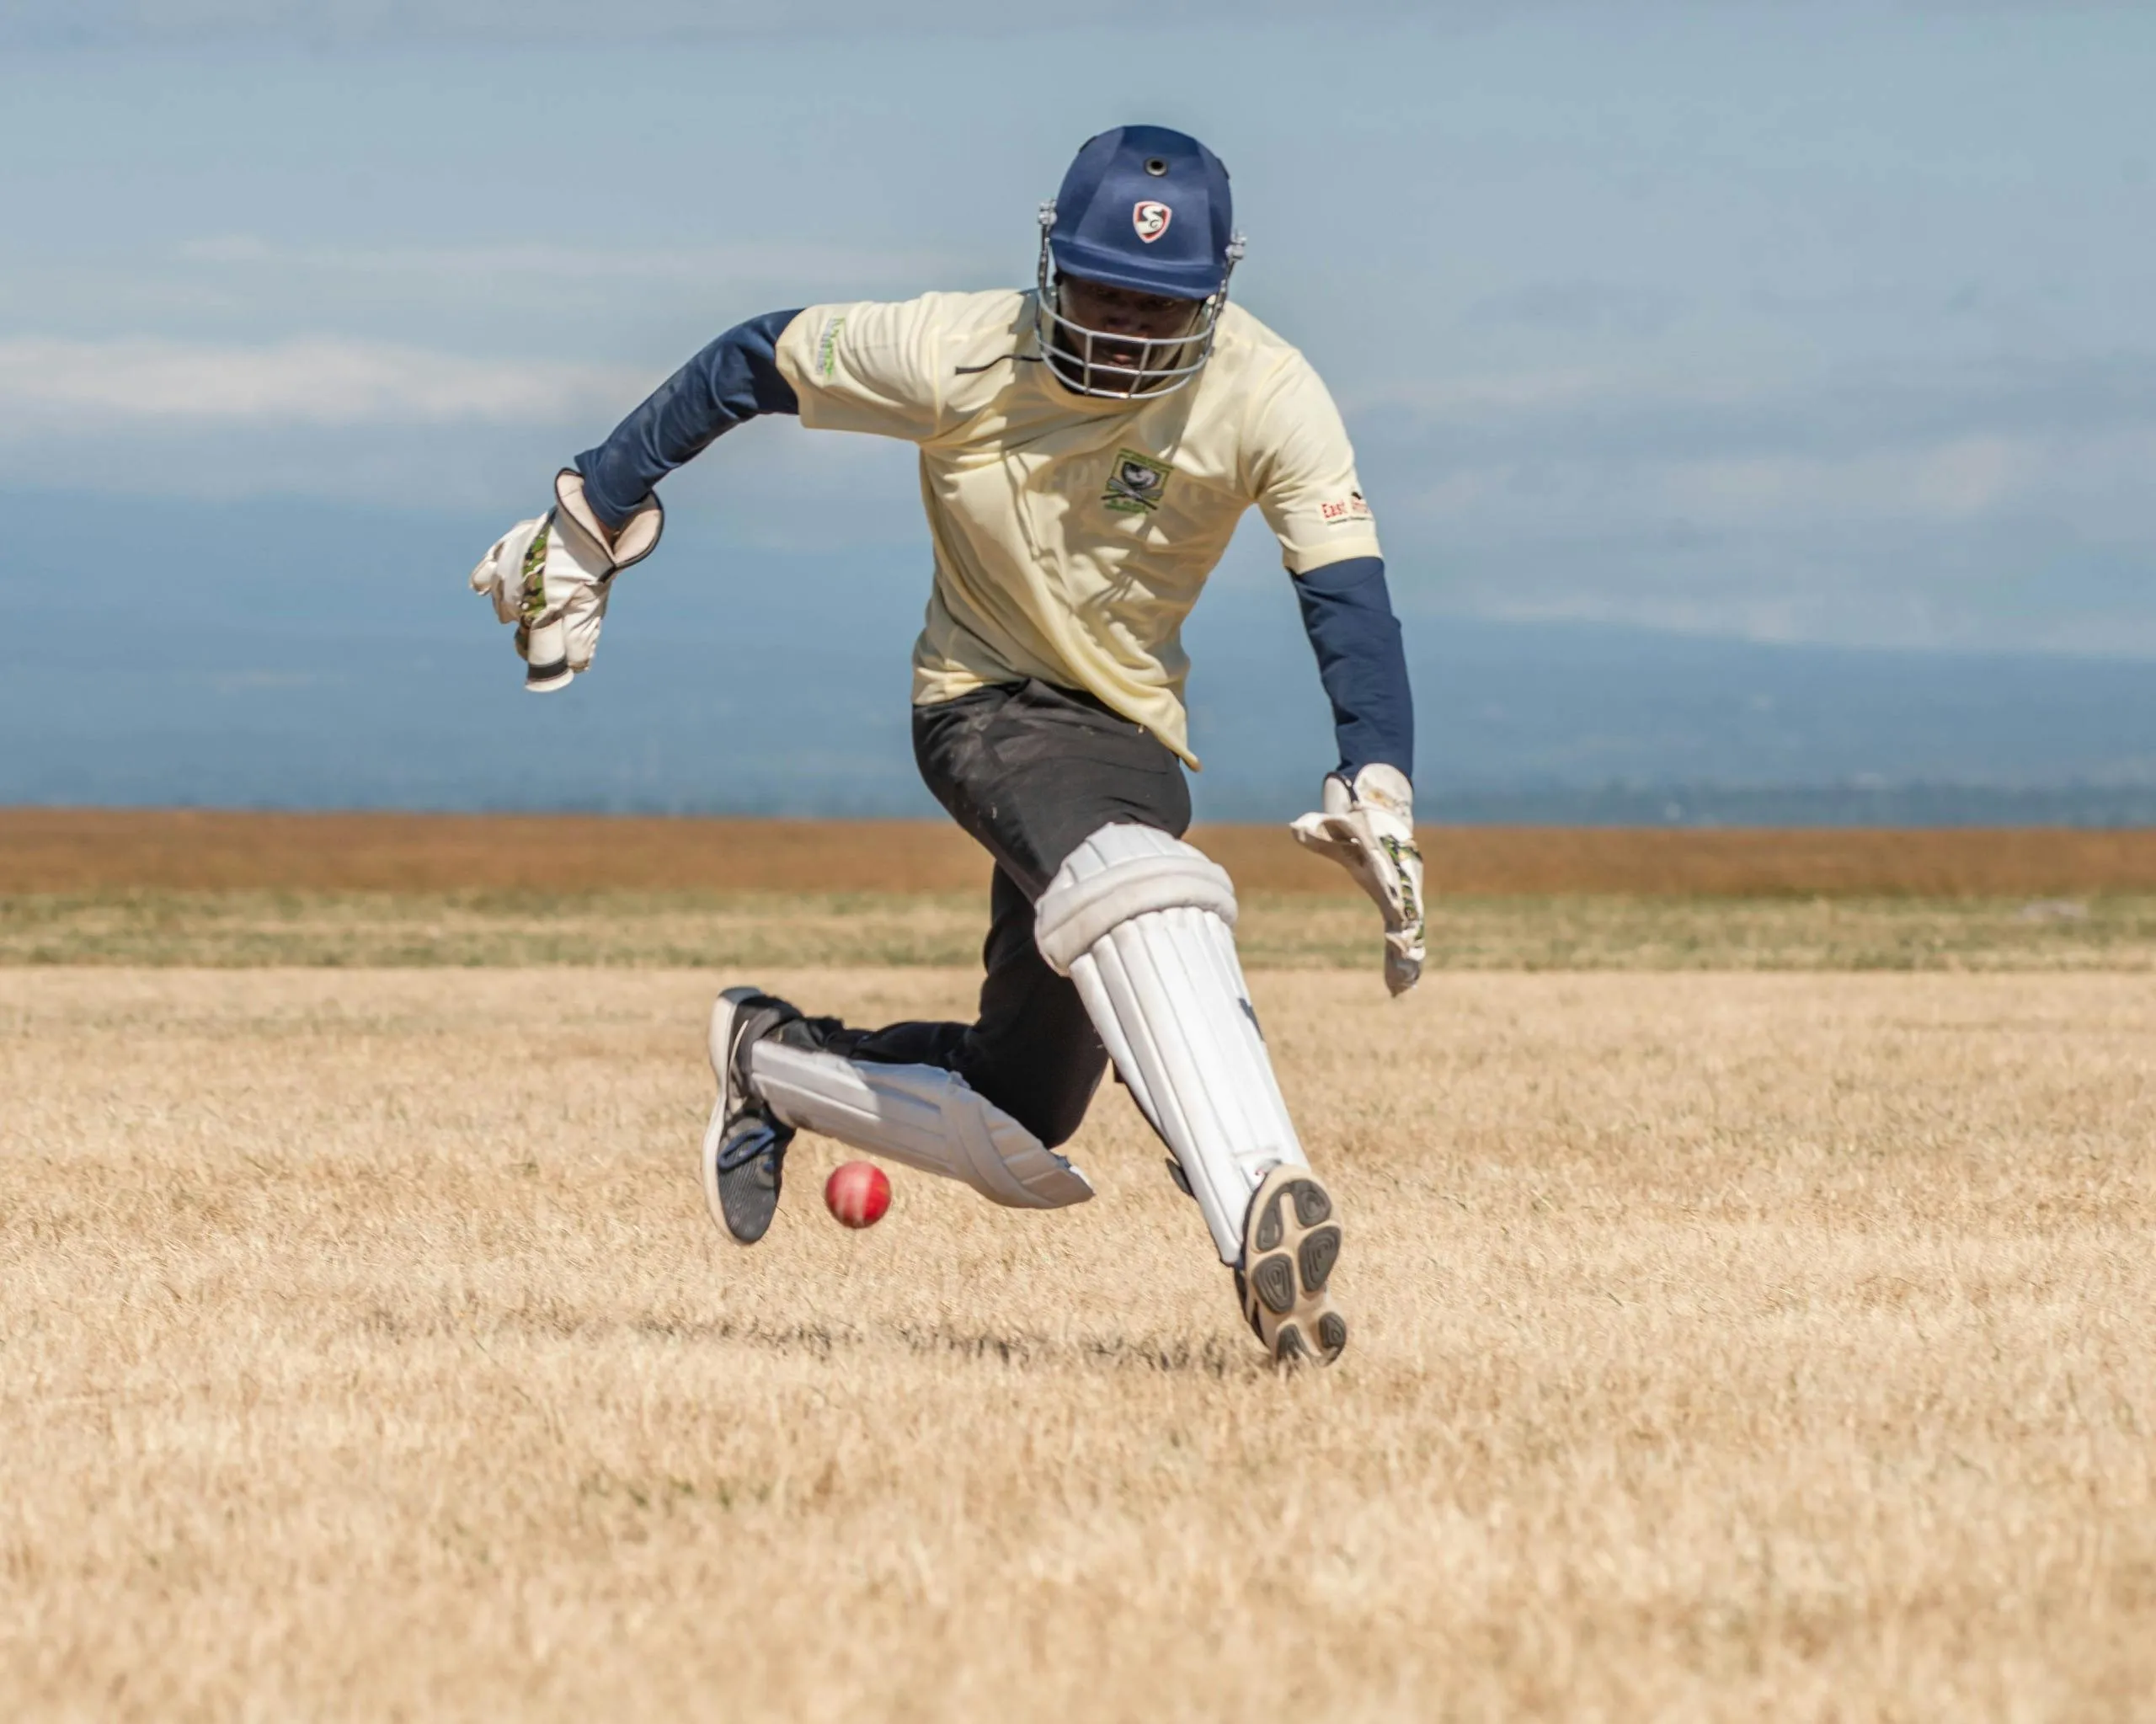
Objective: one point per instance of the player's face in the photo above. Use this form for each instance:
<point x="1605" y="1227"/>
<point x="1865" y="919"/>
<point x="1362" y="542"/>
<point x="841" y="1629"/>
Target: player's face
<point x="1121" y="310"/>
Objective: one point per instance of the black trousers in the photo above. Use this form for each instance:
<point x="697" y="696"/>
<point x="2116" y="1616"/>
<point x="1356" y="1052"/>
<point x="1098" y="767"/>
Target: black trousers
<point x="1031" y="771"/>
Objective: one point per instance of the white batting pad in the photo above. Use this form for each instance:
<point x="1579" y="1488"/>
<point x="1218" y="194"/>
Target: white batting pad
<point x="920" y="1115"/>
<point x="1144" y="924"/>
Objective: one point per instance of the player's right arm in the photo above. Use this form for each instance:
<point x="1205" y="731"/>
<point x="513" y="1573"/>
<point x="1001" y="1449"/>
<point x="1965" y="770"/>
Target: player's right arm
<point x="864" y="367"/>
<point x="735" y="379"/>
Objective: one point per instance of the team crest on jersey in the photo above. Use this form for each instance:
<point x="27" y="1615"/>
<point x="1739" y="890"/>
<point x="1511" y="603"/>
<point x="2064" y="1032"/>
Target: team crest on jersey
<point x="1151" y="219"/>
<point x="1136" y="484"/>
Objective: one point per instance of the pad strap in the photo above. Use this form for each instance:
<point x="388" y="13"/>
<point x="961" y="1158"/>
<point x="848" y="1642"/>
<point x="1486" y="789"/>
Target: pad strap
<point x="1081" y="910"/>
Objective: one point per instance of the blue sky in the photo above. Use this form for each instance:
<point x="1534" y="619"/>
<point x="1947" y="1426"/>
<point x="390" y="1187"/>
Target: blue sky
<point x="1820" y="323"/>
<point x="1805" y="321"/>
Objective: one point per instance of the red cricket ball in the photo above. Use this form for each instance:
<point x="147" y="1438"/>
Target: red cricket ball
<point x="858" y="1194"/>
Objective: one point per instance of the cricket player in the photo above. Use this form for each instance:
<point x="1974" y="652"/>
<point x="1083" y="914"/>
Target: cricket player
<point x="1086" y="450"/>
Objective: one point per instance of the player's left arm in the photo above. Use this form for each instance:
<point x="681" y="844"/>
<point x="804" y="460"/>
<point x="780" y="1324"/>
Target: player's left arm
<point x="1362" y="661"/>
<point x="1304" y="478"/>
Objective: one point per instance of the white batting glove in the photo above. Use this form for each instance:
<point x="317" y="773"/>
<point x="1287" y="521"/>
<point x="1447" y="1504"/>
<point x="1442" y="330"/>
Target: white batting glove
<point x="551" y="577"/>
<point x="1369" y="828"/>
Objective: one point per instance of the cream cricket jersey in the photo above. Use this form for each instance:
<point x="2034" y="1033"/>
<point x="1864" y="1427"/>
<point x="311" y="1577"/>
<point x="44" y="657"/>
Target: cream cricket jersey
<point x="1072" y="535"/>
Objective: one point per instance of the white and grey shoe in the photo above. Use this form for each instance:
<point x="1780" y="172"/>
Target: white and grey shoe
<point x="1291" y="1240"/>
<point x="744" y="1160"/>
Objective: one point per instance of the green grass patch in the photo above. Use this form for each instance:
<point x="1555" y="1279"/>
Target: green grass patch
<point x="752" y="930"/>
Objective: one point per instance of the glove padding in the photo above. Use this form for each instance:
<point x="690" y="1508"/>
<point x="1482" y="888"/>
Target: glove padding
<point x="1369" y="828"/>
<point x="552" y="576"/>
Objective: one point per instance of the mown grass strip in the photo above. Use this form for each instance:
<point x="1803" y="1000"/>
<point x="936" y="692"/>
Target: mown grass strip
<point x="248" y="929"/>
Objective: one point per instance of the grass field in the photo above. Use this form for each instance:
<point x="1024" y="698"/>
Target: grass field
<point x="1727" y="1343"/>
<point x="1727" y="1346"/>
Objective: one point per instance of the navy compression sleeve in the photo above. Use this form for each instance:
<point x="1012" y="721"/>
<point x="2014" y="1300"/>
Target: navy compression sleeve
<point x="735" y="378"/>
<point x="1347" y="613"/>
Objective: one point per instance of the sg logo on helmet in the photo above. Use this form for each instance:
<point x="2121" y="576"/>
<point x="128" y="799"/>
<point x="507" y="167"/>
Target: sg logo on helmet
<point x="1151" y="219"/>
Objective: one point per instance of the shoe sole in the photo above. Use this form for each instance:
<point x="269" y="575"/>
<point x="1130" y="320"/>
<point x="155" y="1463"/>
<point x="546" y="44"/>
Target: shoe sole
<point x="720" y="1047"/>
<point x="1291" y="1244"/>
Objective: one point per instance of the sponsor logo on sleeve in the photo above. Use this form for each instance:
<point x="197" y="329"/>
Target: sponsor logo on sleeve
<point x="827" y="346"/>
<point x="1136" y="484"/>
<point x="1151" y="219"/>
<point x="1350" y="510"/>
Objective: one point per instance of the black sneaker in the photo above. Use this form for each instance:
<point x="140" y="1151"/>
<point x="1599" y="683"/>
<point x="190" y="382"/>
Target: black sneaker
<point x="745" y="1146"/>
<point x="1290" y="1242"/>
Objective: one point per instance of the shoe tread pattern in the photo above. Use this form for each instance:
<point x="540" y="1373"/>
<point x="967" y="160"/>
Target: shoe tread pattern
<point x="1291" y="1245"/>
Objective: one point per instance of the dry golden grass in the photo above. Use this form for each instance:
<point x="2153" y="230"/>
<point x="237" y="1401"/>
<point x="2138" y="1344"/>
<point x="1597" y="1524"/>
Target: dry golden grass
<point x="95" y="849"/>
<point x="1726" y="1347"/>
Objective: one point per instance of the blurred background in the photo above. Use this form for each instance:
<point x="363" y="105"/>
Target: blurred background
<point x="1758" y="401"/>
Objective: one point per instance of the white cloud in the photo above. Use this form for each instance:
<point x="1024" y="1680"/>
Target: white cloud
<point x="1564" y="451"/>
<point x="401" y="23"/>
<point x="1956" y="479"/>
<point x="499" y="268"/>
<point x="320" y="383"/>
<point x="2090" y="479"/>
<point x="1989" y="502"/>
<point x="404" y="22"/>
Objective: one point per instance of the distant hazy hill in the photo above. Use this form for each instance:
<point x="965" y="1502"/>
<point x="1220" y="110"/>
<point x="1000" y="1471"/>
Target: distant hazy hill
<point x="301" y="655"/>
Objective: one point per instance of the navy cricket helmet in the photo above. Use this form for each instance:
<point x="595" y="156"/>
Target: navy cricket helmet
<point x="1148" y="210"/>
